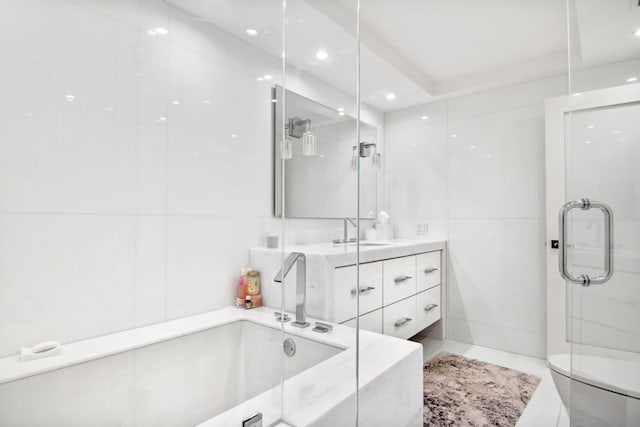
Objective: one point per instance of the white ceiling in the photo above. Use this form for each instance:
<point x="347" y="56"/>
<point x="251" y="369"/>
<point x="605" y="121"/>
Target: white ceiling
<point x="423" y="50"/>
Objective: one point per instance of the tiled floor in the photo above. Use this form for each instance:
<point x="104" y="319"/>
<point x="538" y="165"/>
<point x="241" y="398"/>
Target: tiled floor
<point x="544" y="409"/>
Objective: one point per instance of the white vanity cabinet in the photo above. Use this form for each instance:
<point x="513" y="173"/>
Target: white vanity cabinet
<point x="344" y="291"/>
<point x="410" y="298"/>
<point x="399" y="277"/>
<point x="400" y="284"/>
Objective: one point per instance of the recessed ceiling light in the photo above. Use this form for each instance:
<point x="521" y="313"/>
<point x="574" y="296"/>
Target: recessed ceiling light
<point x="162" y="119"/>
<point x="251" y="32"/>
<point x="473" y="147"/>
<point x="340" y="109"/>
<point x="267" y="77"/>
<point x="632" y="79"/>
<point x="322" y="55"/>
<point x="617" y="131"/>
<point x="591" y="126"/>
<point x="637" y="33"/>
<point x="70" y="98"/>
<point x="162" y="31"/>
<point x="577" y="94"/>
<point x="260" y="79"/>
<point x="206" y="101"/>
<point x="391" y="97"/>
<point x="587" y="142"/>
<point x="341" y="113"/>
<point x="424" y="117"/>
<point x="151" y="32"/>
<point x="175" y="102"/>
<point x="454" y="135"/>
<point x="488" y="156"/>
<point x="233" y="135"/>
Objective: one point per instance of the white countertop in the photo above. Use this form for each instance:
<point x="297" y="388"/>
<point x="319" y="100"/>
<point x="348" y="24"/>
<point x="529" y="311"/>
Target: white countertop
<point x="342" y="254"/>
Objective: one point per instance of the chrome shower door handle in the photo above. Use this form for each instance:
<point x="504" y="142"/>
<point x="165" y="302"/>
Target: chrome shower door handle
<point x="585" y="279"/>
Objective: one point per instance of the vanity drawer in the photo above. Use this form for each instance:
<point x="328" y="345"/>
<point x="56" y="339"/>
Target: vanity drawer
<point x="368" y="322"/>
<point x="428" y="308"/>
<point x="344" y="291"/>
<point x="399" y="279"/>
<point x="429" y="270"/>
<point x="399" y="319"/>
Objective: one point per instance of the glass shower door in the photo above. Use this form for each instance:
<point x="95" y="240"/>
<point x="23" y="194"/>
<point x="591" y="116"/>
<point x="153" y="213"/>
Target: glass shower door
<point x="601" y="218"/>
<point x="602" y="265"/>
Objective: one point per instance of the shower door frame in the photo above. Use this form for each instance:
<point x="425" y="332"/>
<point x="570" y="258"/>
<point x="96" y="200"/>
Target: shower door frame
<point x="555" y="142"/>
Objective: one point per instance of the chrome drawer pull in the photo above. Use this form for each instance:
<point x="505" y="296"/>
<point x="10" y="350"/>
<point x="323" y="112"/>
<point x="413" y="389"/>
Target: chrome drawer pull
<point x="363" y="290"/>
<point x="430" y="307"/>
<point x="401" y="279"/>
<point x="430" y="270"/>
<point x="403" y="321"/>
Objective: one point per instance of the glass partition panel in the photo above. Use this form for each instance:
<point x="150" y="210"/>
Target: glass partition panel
<point x="602" y="150"/>
<point x="316" y="188"/>
<point x="136" y="176"/>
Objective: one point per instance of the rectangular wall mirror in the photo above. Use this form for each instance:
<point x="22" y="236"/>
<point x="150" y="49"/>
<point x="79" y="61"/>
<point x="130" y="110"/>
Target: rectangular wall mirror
<point x="320" y="168"/>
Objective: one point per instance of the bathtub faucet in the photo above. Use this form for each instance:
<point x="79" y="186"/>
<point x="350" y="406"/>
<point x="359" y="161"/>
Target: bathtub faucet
<point x="300" y="260"/>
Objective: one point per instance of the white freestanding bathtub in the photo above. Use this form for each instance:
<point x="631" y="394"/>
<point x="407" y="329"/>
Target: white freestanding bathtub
<point x="605" y="391"/>
<point x="216" y="369"/>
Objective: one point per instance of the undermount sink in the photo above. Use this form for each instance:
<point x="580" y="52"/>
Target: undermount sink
<point x="368" y="243"/>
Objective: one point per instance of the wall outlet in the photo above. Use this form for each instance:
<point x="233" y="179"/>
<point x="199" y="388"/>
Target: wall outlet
<point x="422" y="229"/>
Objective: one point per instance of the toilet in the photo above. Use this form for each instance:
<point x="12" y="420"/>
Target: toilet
<point x="604" y="391"/>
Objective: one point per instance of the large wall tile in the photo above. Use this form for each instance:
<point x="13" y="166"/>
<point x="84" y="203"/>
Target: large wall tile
<point x="69" y="277"/>
<point x="503" y="338"/>
<point x="416" y="168"/>
<point x="497" y="165"/>
<point x="213" y="145"/>
<point x="74" y="146"/>
<point x="495" y="277"/>
<point x="204" y="258"/>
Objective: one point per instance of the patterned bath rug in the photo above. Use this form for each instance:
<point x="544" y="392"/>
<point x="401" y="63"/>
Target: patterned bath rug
<point x="466" y="392"/>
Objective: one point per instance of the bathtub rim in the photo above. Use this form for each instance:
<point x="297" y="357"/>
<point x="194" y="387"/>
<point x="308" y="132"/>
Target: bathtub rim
<point x="309" y="395"/>
<point x="78" y="352"/>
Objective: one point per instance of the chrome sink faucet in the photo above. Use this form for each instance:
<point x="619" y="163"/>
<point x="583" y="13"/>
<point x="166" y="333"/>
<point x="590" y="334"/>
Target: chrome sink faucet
<point x="300" y="260"/>
<point x="345" y="235"/>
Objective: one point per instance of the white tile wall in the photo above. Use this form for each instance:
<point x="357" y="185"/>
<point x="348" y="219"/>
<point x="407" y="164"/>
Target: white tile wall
<point x="496" y="165"/>
<point x="496" y="283"/>
<point x="415" y="165"/>
<point x="68" y="276"/>
<point x="474" y="172"/>
<point x="204" y="258"/>
<point x="119" y="207"/>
